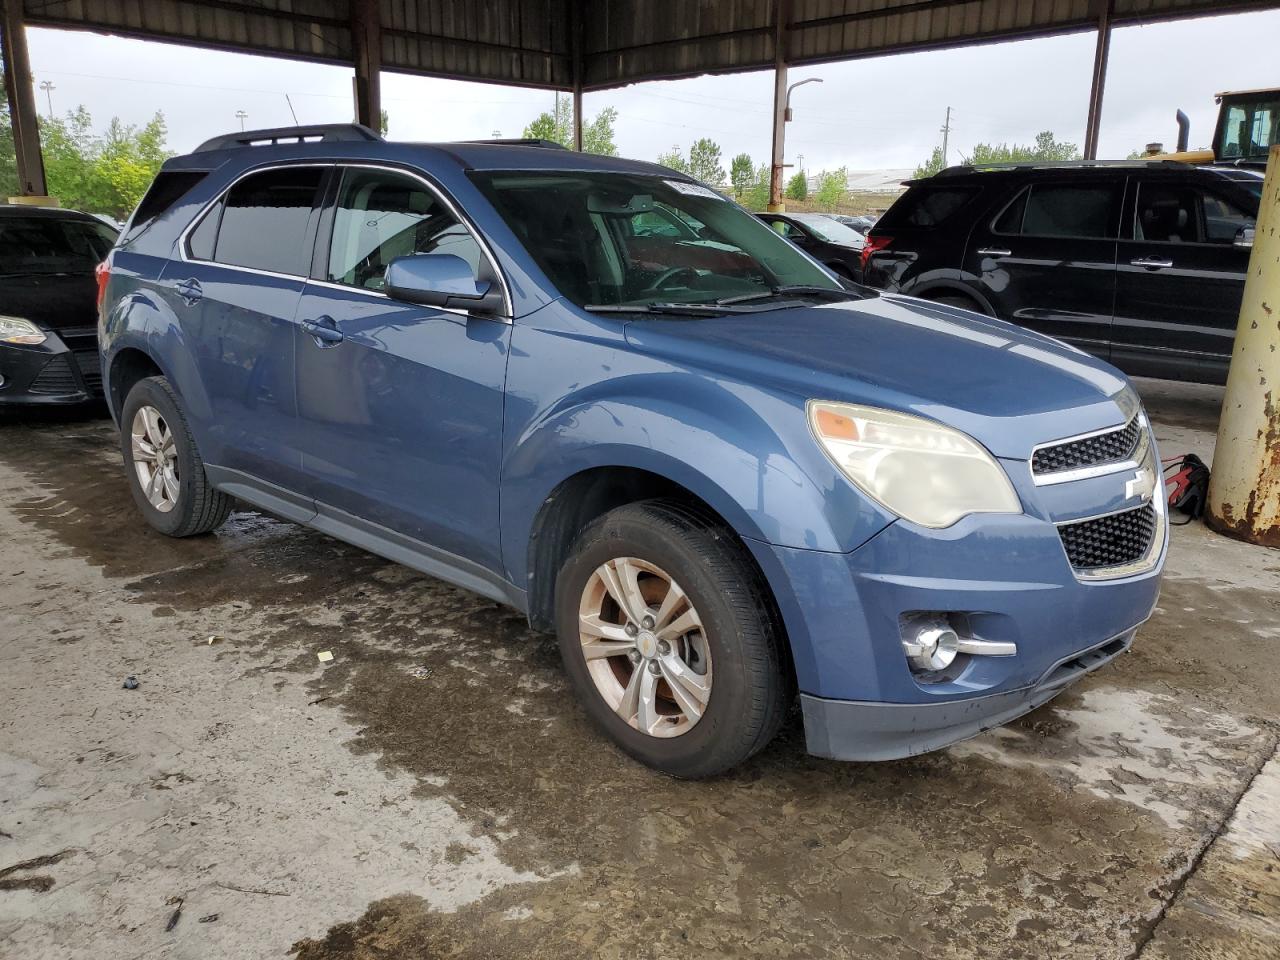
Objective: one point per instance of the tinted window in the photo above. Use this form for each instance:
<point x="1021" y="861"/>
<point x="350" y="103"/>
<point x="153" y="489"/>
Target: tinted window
<point x="1010" y="219"/>
<point x="166" y="189"/>
<point x="1070" y="210"/>
<point x="1182" y="213"/>
<point x="52" y="245"/>
<point x="264" y="221"/>
<point x="200" y="241"/>
<point x="381" y="216"/>
<point x="927" y="206"/>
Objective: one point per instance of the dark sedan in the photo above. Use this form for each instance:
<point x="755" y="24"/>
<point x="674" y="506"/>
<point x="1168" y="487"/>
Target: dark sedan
<point x="48" y="305"/>
<point x="829" y="242"/>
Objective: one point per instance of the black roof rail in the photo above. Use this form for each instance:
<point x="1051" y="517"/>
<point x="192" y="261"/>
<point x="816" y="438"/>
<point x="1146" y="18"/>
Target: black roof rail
<point x="523" y="142"/>
<point x="319" y="133"/>
<point x="963" y="168"/>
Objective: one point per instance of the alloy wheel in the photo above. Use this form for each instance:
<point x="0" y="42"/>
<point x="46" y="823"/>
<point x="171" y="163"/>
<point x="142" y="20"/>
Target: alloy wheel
<point x="645" y="647"/>
<point x="155" y="458"/>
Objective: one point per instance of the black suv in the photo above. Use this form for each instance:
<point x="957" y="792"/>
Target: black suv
<point x="1142" y="263"/>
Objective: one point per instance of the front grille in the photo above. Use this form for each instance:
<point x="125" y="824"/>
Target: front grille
<point x="56" y="378"/>
<point x="90" y="370"/>
<point x="1110" y="541"/>
<point x="1111" y="447"/>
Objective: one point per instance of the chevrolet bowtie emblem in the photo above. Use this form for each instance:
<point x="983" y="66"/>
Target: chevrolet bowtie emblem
<point x="1142" y="485"/>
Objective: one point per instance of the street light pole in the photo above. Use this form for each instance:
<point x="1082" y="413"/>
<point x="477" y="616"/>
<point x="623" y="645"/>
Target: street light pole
<point x="241" y="116"/>
<point x="48" y="88"/>
<point x="782" y="113"/>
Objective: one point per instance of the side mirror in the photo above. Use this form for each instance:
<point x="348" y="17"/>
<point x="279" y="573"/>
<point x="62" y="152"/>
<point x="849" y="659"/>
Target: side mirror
<point x="1244" y="238"/>
<point x="441" y="280"/>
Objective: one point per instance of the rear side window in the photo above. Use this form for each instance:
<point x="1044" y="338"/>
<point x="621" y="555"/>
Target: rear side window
<point x="923" y="206"/>
<point x="264" y="221"/>
<point x="166" y="189"/>
<point x="1082" y="210"/>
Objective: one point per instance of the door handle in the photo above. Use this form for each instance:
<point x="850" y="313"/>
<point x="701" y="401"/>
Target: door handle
<point x="190" y="291"/>
<point x="1151" y="263"/>
<point x="324" y="331"/>
<point x="995" y="252"/>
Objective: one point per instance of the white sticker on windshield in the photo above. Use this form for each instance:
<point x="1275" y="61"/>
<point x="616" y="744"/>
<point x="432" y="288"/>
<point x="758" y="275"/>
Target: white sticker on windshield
<point x="692" y="189"/>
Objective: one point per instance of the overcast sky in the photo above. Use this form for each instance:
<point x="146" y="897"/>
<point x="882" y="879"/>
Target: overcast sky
<point x="866" y="114"/>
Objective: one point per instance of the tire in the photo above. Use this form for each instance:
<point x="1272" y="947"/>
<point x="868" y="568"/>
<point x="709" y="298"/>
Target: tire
<point x="737" y="641"/>
<point x="189" y="504"/>
<point x="961" y="301"/>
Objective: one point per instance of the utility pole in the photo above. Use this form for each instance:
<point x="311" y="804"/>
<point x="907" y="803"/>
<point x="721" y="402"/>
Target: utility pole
<point x="800" y="161"/>
<point x="946" y="135"/>
<point x="242" y="117"/>
<point x="48" y="88"/>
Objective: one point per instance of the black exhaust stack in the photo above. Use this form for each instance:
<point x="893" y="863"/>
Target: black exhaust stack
<point x="1184" y="131"/>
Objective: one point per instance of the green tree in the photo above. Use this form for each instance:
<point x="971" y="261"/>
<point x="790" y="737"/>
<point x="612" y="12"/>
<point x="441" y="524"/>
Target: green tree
<point x="384" y="121"/>
<point x="757" y="195"/>
<point x="930" y="166"/>
<point x="1045" y="148"/>
<point x="797" y="187"/>
<point x="833" y="187"/>
<point x="674" y="158"/>
<point x="597" y="133"/>
<point x="704" y="162"/>
<point x="741" y="172"/>
<point x="101" y="173"/>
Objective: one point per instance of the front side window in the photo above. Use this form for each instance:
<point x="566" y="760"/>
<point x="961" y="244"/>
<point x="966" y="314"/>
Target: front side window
<point x="1181" y="213"/>
<point x="1084" y="211"/>
<point x="264" y="221"/>
<point x="52" y="245"/>
<point x="580" y="229"/>
<point x="382" y="215"/>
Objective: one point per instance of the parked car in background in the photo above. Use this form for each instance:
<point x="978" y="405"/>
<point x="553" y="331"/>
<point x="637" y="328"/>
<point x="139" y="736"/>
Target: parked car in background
<point x="716" y="483"/>
<point x="1142" y="263"/>
<point x="48" y="318"/>
<point x="827" y="241"/>
<point x="861" y="224"/>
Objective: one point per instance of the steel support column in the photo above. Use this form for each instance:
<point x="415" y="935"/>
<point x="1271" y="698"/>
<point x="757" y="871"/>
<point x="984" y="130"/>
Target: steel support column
<point x="22" y="101"/>
<point x="1100" y="56"/>
<point x="1244" y="488"/>
<point x="366" y="47"/>
<point x="575" y="47"/>
<point x="781" y="9"/>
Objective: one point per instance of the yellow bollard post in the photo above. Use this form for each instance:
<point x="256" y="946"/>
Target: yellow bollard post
<point x="1244" y="489"/>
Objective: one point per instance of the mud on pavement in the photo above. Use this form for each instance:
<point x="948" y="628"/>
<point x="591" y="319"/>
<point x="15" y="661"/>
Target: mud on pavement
<point x="434" y="791"/>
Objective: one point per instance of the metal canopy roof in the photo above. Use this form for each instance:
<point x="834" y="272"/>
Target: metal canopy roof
<point x="536" y="42"/>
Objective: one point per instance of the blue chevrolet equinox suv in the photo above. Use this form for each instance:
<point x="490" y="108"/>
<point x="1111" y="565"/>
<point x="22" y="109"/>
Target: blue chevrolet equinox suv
<point x="719" y="473"/>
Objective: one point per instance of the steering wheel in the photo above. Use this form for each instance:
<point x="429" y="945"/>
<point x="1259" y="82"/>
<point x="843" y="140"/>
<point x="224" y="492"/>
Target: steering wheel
<point x="670" y="274"/>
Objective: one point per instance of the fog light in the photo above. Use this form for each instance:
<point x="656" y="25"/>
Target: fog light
<point x="931" y="646"/>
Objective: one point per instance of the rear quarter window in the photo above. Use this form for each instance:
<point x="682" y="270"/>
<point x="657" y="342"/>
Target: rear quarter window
<point x="166" y="189"/>
<point x="928" y="206"/>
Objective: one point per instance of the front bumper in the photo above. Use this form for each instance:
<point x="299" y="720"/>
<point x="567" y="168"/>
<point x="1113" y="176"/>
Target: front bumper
<point x="854" y="730"/>
<point x="65" y="369"/>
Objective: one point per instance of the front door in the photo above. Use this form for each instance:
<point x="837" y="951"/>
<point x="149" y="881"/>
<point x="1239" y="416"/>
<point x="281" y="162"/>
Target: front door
<point x="234" y="290"/>
<point x="400" y="405"/>
<point x="1047" y="260"/>
<point x="1181" y="280"/>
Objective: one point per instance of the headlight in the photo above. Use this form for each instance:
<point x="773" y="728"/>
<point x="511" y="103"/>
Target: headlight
<point x="17" y="330"/>
<point x="919" y="469"/>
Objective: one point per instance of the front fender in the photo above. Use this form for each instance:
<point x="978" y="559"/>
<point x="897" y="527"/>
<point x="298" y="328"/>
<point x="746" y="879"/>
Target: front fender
<point x="744" y="450"/>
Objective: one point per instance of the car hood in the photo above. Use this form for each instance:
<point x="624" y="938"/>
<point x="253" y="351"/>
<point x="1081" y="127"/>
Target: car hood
<point x="1006" y="387"/>
<point x="56" y="301"/>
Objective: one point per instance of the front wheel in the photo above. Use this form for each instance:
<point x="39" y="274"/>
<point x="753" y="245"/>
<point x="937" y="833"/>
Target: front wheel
<point x="166" y="474"/>
<point x="668" y="637"/>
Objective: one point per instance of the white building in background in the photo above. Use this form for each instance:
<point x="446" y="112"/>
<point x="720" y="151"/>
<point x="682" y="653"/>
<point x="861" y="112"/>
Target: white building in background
<point x="869" y="181"/>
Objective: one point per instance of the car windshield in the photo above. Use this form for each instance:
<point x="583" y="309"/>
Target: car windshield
<point x="634" y="240"/>
<point x="52" y="245"/>
<point x="832" y="231"/>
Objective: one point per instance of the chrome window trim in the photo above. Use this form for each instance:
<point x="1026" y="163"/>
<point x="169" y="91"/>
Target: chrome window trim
<point x="485" y="249"/>
<point x="1148" y="561"/>
<point x="1132" y="462"/>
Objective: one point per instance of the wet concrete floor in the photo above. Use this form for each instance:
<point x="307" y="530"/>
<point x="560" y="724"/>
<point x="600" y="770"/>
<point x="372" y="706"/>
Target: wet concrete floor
<point x="434" y="791"/>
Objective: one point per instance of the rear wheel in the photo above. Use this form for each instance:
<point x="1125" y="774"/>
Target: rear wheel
<point x="667" y="637"/>
<point x="166" y="474"/>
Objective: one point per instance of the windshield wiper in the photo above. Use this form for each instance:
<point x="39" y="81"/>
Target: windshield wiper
<point x="716" y="309"/>
<point x="793" y="289"/>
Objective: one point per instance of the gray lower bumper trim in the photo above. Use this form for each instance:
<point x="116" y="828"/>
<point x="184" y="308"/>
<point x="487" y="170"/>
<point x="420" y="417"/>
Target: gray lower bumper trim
<point x="862" y="730"/>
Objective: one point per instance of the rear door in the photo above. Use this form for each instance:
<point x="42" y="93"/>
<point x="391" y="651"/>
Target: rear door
<point x="1181" y="278"/>
<point x="400" y="405"/>
<point x="234" y="288"/>
<point x="1047" y="259"/>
